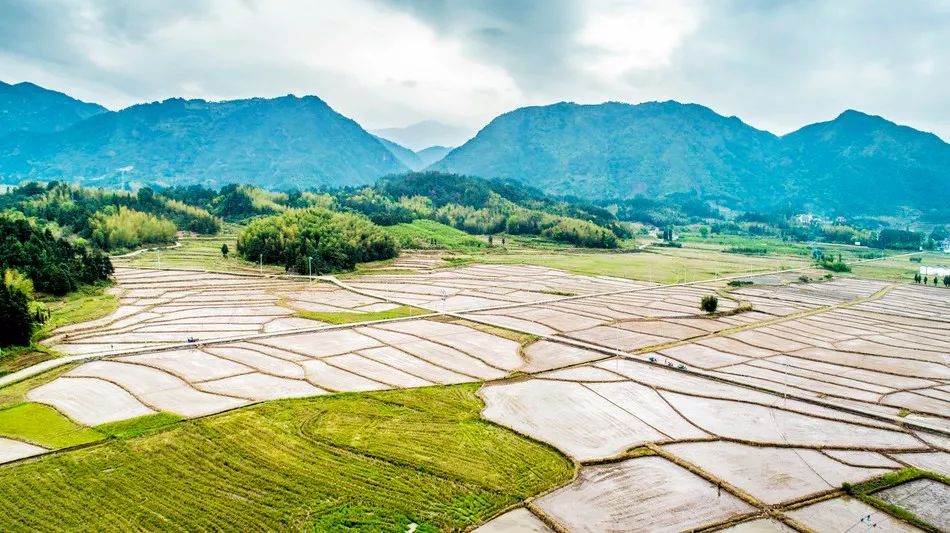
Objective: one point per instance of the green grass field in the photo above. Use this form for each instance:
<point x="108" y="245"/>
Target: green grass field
<point x="88" y="303"/>
<point x="429" y="234"/>
<point x="43" y="425"/>
<point x="37" y="423"/>
<point x="347" y="462"/>
<point x="344" y="317"/>
<point x="899" y="268"/>
<point x="661" y="265"/>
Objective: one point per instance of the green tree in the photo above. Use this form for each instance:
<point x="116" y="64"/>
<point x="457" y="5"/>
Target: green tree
<point x="709" y="303"/>
<point x="224" y="250"/>
<point x="15" y="317"/>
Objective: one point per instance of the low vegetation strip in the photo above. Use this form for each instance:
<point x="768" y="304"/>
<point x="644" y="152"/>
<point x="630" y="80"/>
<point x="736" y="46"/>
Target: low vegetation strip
<point x="348" y="462"/>
<point x="43" y="425"/>
<point x="346" y="317"/>
<point x="868" y="490"/>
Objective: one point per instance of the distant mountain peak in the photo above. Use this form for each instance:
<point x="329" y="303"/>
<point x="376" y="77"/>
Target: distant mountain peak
<point x="275" y="143"/>
<point x="27" y="107"/>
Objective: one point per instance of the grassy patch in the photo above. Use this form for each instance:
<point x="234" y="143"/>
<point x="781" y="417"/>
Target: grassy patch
<point x="865" y="492"/>
<point x="135" y="427"/>
<point x="345" y="317"/>
<point x="88" y="303"/>
<point x="332" y="463"/>
<point x="16" y="393"/>
<point x="669" y="265"/>
<point x="41" y="424"/>
<point x="505" y="333"/>
<point x="429" y="234"/>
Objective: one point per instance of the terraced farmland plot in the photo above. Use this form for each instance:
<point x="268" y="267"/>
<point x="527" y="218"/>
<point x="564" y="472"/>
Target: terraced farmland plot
<point x="321" y="464"/>
<point x="209" y="379"/>
<point x="165" y="308"/>
<point x="480" y="286"/>
<point x="774" y="407"/>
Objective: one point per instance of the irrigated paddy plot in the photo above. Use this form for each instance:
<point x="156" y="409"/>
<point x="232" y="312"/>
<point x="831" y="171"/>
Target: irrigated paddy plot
<point x="748" y="419"/>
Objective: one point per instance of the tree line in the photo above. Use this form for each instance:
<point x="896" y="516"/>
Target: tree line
<point x="31" y="257"/>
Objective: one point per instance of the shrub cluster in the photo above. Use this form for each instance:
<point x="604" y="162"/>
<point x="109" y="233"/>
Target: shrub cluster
<point x="335" y="241"/>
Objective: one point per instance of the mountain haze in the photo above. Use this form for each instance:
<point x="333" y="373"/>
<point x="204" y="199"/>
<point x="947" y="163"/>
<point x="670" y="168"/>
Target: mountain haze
<point x="28" y="107"/>
<point x="279" y="143"/>
<point x="425" y="134"/>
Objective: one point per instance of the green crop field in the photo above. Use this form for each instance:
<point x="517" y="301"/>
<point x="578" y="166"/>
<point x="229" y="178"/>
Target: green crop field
<point x="345" y="317"/>
<point x="661" y="265"/>
<point x="348" y="462"/>
<point x="43" y="425"/>
<point x="432" y="234"/>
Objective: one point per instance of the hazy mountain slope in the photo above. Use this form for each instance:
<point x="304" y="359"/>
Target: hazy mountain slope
<point x="859" y="162"/>
<point x="279" y="143"/>
<point x="432" y="154"/>
<point x="854" y="164"/>
<point x="28" y="107"/>
<point x="620" y="150"/>
<point x="405" y="156"/>
<point x="424" y="134"/>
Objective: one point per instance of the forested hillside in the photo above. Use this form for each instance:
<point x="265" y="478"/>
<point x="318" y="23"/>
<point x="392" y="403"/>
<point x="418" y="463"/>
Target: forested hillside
<point x="28" y="107"/>
<point x="474" y="205"/>
<point x="854" y="164"/>
<point x="277" y="143"/>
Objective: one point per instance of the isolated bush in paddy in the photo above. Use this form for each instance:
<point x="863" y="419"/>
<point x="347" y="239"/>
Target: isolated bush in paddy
<point x="335" y="241"/>
<point x="224" y="250"/>
<point x="946" y="281"/>
<point x="709" y="303"/>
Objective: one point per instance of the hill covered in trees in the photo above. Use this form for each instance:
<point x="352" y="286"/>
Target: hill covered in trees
<point x="854" y="164"/>
<point x="315" y="240"/>
<point x="277" y="143"/>
<point x="25" y="107"/>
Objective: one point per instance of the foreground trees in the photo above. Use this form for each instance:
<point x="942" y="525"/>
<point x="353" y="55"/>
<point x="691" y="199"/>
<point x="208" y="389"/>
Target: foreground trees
<point x="334" y="241"/>
<point x="54" y="265"/>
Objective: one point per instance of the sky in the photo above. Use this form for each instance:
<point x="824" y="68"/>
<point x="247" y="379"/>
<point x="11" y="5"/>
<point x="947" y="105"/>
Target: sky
<point x="778" y="64"/>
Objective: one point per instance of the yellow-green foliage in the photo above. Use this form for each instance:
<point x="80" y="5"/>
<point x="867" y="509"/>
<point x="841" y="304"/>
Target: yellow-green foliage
<point x="88" y="303"/>
<point x="335" y="463"/>
<point x="264" y="201"/>
<point x="43" y="425"/>
<point x="343" y="317"/>
<point x="135" y="427"/>
<point x="126" y="228"/>
<point x="424" y="233"/>
<point x="15" y="280"/>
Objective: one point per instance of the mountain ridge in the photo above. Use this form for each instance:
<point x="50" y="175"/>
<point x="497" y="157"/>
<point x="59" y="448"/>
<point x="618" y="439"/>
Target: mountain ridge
<point x="292" y="141"/>
<point x="853" y="163"/>
<point x="26" y="106"/>
<point x="655" y="149"/>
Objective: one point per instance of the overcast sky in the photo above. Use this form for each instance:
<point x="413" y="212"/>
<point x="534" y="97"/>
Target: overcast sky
<point x="776" y="64"/>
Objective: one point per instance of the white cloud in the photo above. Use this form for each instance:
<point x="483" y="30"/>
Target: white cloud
<point x="777" y="65"/>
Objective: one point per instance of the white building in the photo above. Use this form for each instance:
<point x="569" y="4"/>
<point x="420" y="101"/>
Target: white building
<point x="939" y="271"/>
